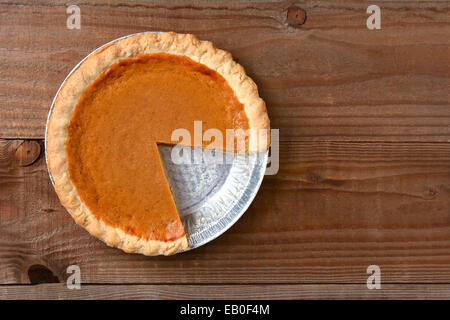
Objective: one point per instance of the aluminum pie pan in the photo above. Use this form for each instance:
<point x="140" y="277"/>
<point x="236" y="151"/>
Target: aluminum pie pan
<point x="210" y="195"/>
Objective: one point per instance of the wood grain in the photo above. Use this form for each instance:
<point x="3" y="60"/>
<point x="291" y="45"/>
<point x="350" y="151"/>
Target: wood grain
<point x="227" y="292"/>
<point x="329" y="79"/>
<point x="332" y="210"/>
<point x="364" y="178"/>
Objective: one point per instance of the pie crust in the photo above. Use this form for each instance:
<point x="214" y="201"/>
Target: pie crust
<point x="188" y="45"/>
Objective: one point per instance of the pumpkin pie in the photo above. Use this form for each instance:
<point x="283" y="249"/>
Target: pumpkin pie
<point x="117" y="106"/>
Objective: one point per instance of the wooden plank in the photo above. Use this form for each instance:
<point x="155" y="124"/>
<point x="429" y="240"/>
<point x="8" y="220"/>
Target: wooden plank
<point x="330" y="79"/>
<point x="333" y="209"/>
<point x="227" y="292"/>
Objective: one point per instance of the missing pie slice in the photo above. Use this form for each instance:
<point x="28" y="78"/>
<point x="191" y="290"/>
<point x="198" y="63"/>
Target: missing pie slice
<point x="115" y="108"/>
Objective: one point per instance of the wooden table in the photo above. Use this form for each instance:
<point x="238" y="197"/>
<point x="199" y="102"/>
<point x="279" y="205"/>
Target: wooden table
<point x="364" y="177"/>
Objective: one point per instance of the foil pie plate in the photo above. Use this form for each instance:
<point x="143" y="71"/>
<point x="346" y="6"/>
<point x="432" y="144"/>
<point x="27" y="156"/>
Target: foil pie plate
<point x="210" y="194"/>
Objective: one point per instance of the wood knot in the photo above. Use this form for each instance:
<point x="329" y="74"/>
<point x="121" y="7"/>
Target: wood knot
<point x="27" y="153"/>
<point x="296" y="16"/>
<point x="40" y="274"/>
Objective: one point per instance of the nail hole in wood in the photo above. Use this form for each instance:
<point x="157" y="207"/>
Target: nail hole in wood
<point x="40" y="274"/>
<point x="296" y="16"/>
<point x="430" y="193"/>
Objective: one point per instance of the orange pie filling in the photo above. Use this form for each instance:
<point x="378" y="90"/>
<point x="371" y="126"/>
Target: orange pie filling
<point x="111" y="147"/>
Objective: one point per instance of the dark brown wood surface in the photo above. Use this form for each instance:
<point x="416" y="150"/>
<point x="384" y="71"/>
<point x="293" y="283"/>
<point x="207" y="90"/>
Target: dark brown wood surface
<point x="364" y="177"/>
<point x="241" y="292"/>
